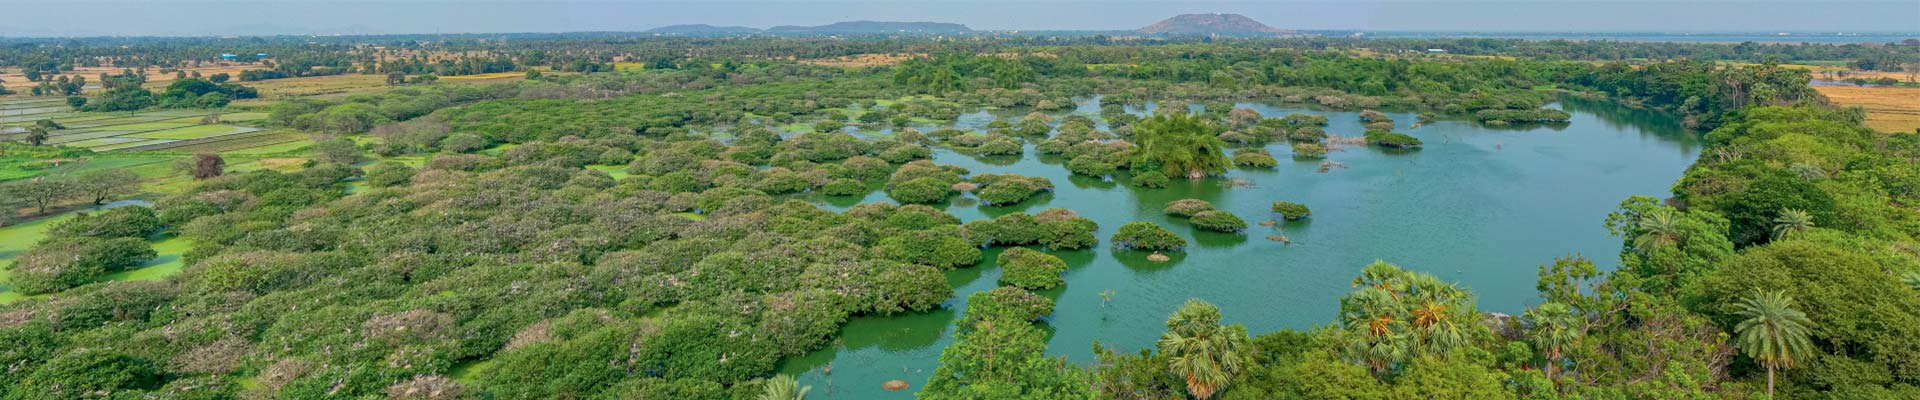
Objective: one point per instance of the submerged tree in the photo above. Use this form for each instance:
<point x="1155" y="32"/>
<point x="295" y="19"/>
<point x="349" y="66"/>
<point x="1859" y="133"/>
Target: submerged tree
<point x="1180" y="143"/>
<point x="1772" y="332"/>
<point x="1201" y="351"/>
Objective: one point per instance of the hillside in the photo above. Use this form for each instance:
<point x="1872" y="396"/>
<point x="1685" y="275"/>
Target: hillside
<point x="699" y="29"/>
<point x="875" y="27"/>
<point x="1211" y="23"/>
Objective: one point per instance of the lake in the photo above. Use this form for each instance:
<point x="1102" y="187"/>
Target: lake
<point x="1479" y="205"/>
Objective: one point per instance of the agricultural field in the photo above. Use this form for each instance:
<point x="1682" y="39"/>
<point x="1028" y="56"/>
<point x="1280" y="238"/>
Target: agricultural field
<point x="173" y="131"/>
<point x="1889" y="109"/>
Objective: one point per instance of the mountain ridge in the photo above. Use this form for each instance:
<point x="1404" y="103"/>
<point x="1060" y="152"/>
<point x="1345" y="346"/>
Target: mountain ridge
<point x="1210" y="24"/>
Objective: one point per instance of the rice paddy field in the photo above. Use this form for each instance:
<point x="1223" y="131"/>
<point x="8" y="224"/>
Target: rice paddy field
<point x="140" y="131"/>
<point x="1889" y="109"/>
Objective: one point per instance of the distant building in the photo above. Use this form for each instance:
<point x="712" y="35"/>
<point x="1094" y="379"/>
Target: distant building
<point x="1436" y="51"/>
<point x="229" y="56"/>
<point x="259" y="55"/>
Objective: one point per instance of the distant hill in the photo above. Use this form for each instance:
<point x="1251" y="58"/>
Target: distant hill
<point x="875" y="27"/>
<point x="698" y="29"/>
<point x="1211" y="23"/>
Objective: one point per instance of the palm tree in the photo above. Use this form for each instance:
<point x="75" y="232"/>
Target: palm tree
<point x="1658" y="228"/>
<point x="1912" y="279"/>
<point x="1773" y="332"/>
<point x="1791" y="221"/>
<point x="1206" y="354"/>
<point x="1555" y="327"/>
<point x="1376" y="329"/>
<point x="784" y="387"/>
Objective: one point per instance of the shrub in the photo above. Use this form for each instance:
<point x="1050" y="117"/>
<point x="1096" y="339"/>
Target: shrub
<point x="1392" y="139"/>
<point x="1307" y="134"/>
<point x="388" y="173"/>
<point x="1142" y="235"/>
<point x="117" y="222"/>
<point x="845" y="187"/>
<point x="1007" y="302"/>
<point x="1070" y="234"/>
<point x="1013" y="229"/>
<point x="921" y="190"/>
<point x="1091" y="166"/>
<point x="1219" y="221"/>
<point x="1151" y="180"/>
<point x="1001" y="146"/>
<point x="937" y="249"/>
<point x="1255" y="158"/>
<point x="1187" y="207"/>
<point x="1031" y="269"/>
<point x="1004" y="189"/>
<point x="1292" y="210"/>
<point x="1309" y="150"/>
<point x="62" y="264"/>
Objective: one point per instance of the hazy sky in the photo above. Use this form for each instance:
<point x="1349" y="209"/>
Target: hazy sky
<point x="225" y="17"/>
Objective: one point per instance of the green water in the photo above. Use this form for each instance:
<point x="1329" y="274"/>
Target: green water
<point x="1478" y="205"/>
<point x="18" y="238"/>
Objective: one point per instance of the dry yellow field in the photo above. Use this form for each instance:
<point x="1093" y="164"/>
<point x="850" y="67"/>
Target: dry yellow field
<point x="17" y="80"/>
<point x="1889" y="109"/>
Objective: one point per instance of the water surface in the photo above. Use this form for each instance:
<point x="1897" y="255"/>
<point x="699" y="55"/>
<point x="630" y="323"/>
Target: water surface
<point x="1478" y="205"/>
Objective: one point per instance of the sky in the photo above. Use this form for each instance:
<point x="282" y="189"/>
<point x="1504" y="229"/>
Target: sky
<point x="268" y="17"/>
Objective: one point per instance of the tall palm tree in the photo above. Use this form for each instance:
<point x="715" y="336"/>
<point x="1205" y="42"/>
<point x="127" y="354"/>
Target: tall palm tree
<point x="1791" y="221"/>
<point x="1658" y="228"/>
<point x="1377" y="332"/>
<point x="1555" y="327"/>
<point x="1773" y="332"/>
<point x="1206" y="354"/>
<point x="784" y="387"/>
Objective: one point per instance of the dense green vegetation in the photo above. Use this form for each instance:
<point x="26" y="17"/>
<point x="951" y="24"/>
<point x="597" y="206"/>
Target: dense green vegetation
<point x="493" y="254"/>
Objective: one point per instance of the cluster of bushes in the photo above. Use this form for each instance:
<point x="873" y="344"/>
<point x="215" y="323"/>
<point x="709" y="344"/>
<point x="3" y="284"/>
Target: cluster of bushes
<point x="1030" y="269"/>
<point x="85" y="248"/>
<point x="1392" y="139"/>
<point x="1008" y="189"/>
<point x="1291" y="210"/>
<point x="1204" y="216"/>
<point x="1055" y="228"/>
<point x="1511" y="116"/>
<point x="1142" y="235"/>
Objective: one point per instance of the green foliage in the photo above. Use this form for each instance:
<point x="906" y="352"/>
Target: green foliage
<point x="1291" y="210"/>
<point x="1187" y="207"/>
<point x="1254" y="158"/>
<point x="845" y="187"/>
<point x="1150" y="179"/>
<point x="117" y="222"/>
<point x="1392" y="139"/>
<point x="1000" y="358"/>
<point x="389" y="173"/>
<point x="1142" y="235"/>
<point x="1219" y="221"/>
<point x="1397" y="315"/>
<point x="929" y="248"/>
<point x="1009" y="189"/>
<point x="1007" y="303"/>
<point x="88" y="373"/>
<point x="922" y="191"/>
<point x="68" y="262"/>
<point x="1202" y="352"/>
<point x="1031" y="270"/>
<point x="1180" y="144"/>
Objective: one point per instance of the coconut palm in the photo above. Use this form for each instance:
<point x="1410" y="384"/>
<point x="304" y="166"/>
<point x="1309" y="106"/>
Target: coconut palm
<point x="784" y="387"/>
<point x="1772" y="332"/>
<point x="1791" y="221"/>
<point x="1658" y="228"/>
<point x="1555" y="327"/>
<point x="1201" y="351"/>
